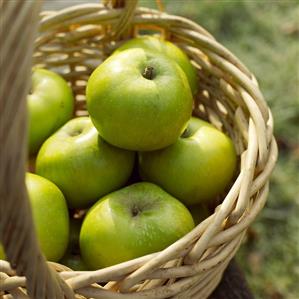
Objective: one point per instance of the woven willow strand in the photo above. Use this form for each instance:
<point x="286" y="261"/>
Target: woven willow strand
<point x="18" y="24"/>
<point x="73" y="42"/>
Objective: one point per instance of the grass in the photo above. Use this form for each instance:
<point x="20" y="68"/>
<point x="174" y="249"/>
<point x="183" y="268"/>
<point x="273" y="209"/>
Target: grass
<point x="264" y="35"/>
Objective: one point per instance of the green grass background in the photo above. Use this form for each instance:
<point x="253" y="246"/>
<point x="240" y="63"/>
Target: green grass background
<point x="265" y="36"/>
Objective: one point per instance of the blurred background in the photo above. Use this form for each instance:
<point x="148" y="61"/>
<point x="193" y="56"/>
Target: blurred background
<point x="265" y="36"/>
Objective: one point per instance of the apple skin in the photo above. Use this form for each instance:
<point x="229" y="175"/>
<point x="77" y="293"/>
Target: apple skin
<point x="82" y="164"/>
<point x="195" y="169"/>
<point x="73" y="248"/>
<point x="50" y="105"/>
<point x="72" y="258"/>
<point x="199" y="212"/>
<point x="154" y="43"/>
<point x="75" y="227"/>
<point x="2" y="254"/>
<point x="74" y="262"/>
<point x="50" y="216"/>
<point x="136" y="113"/>
<point x="134" y="221"/>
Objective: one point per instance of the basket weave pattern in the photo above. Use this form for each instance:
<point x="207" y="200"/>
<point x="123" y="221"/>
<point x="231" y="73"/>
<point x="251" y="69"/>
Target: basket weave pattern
<point x="73" y="42"/>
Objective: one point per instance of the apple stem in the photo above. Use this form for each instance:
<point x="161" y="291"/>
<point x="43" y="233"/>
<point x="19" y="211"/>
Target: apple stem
<point x="148" y="73"/>
<point x="186" y="133"/>
<point x="135" y="211"/>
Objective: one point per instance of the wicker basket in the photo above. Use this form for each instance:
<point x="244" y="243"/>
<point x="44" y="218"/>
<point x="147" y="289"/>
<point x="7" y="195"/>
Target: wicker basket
<point x="73" y="42"/>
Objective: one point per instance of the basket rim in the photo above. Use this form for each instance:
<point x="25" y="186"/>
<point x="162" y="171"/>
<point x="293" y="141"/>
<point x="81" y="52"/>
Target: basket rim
<point x="250" y="188"/>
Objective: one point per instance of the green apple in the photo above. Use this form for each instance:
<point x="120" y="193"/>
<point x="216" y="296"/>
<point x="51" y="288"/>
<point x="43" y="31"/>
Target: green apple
<point x="199" y="212"/>
<point x="74" y="262"/>
<point x="50" y="216"/>
<point x="82" y="164"/>
<point x="153" y="43"/>
<point x="73" y="242"/>
<point x="75" y="227"/>
<point x="50" y="105"/>
<point x="2" y="254"/>
<point x="139" y="100"/>
<point x="197" y="168"/>
<point x="132" y="222"/>
<point x="72" y="258"/>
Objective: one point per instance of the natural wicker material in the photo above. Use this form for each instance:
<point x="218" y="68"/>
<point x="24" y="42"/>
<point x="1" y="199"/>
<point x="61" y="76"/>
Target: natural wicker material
<point x="73" y="42"/>
<point x="17" y="30"/>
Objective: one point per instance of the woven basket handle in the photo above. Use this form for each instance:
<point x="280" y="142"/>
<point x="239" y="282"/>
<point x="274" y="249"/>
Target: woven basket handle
<point x="124" y="21"/>
<point x="128" y="10"/>
<point x="19" y="21"/>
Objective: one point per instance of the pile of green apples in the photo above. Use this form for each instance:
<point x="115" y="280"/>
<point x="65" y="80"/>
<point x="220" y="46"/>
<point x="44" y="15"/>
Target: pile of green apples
<point x="134" y="176"/>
